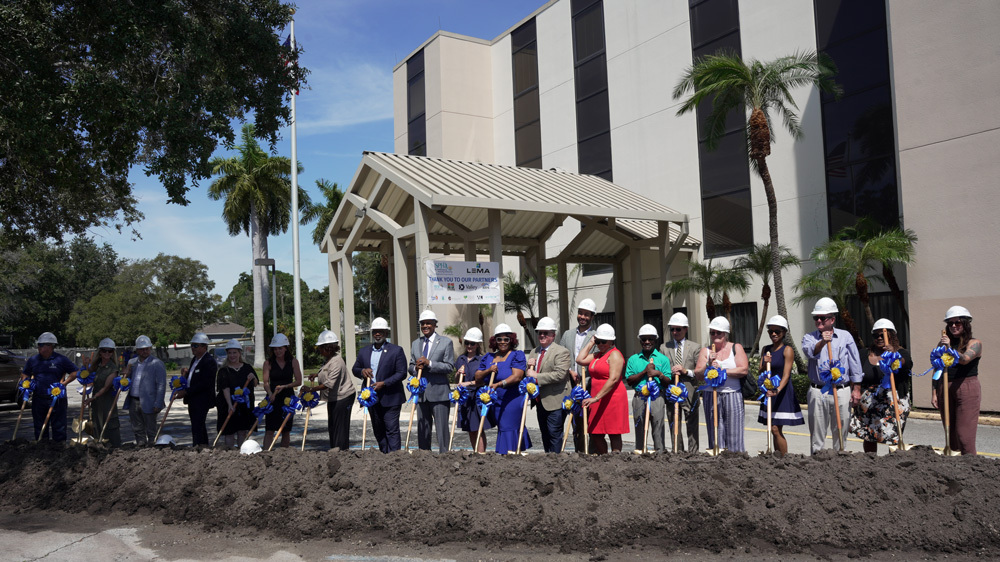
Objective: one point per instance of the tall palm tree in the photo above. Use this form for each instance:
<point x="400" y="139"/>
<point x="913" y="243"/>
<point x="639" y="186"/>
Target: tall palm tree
<point x="257" y="192"/>
<point x="834" y="283"/>
<point x="519" y="297"/>
<point x="756" y="88"/>
<point x="895" y="245"/>
<point x="759" y="262"/>
<point x="712" y="281"/>
<point x="323" y="212"/>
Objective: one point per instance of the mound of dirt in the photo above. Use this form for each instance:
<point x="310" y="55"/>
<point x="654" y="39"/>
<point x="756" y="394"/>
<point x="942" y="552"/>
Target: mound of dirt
<point x="846" y="503"/>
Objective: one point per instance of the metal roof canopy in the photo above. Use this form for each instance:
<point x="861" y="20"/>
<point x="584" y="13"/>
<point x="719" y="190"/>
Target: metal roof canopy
<point x="408" y="207"/>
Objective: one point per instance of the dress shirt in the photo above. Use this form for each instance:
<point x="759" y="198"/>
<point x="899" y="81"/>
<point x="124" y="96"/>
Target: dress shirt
<point x="844" y="350"/>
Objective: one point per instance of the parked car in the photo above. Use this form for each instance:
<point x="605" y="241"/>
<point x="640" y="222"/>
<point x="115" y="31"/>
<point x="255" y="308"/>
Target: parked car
<point x="220" y="355"/>
<point x="10" y="372"/>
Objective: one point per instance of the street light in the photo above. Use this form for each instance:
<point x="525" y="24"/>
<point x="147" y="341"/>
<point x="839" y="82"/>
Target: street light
<point x="268" y="262"/>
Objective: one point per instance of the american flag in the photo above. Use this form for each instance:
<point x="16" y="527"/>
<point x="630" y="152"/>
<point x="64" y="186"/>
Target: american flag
<point x="288" y="64"/>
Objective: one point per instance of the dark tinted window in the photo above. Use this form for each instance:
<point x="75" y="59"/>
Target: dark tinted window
<point x="595" y="156"/>
<point x="862" y="63"/>
<point x="591" y="77"/>
<point x="744" y="324"/>
<point x="588" y="32"/>
<point x="728" y="225"/>
<point x="593" y="117"/>
<point x="522" y="36"/>
<point x="528" y="144"/>
<point x="417" y="135"/>
<point x="416" y="105"/>
<point x="837" y="20"/>
<point x="527" y="127"/>
<point x="526" y="108"/>
<point x="525" y="69"/>
<point x="724" y="169"/>
<point x="712" y="19"/>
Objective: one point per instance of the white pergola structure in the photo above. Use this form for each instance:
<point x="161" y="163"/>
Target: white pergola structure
<point x="410" y="207"/>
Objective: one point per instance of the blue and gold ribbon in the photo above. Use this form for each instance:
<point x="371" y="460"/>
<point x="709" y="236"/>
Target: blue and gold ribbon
<point x="486" y="398"/>
<point x="25" y="388"/>
<point x="459" y="394"/>
<point x="677" y="393"/>
<point x="89" y="378"/>
<point x="529" y="386"/>
<point x="240" y="396"/>
<point x="292" y="405"/>
<point x="309" y="400"/>
<point x="263" y="408"/>
<point x="648" y="390"/>
<point x="714" y="378"/>
<point x="367" y="397"/>
<point x="889" y="364"/>
<point x="942" y="357"/>
<point x="122" y="383"/>
<point x="177" y="384"/>
<point x="832" y="376"/>
<point x="568" y="403"/>
<point x="767" y="382"/>
<point x="57" y="390"/>
<point x="578" y="395"/>
<point x="416" y="386"/>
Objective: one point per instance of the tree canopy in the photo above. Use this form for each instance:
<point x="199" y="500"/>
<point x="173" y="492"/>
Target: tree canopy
<point x="94" y="89"/>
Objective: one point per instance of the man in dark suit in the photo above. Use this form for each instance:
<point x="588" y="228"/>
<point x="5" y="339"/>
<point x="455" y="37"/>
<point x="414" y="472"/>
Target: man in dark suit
<point x="550" y="364"/>
<point x="434" y="355"/>
<point x="683" y="354"/>
<point x="385" y="364"/>
<point x="200" y="393"/>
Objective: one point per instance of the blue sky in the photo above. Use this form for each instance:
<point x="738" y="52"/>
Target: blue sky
<point x="350" y="47"/>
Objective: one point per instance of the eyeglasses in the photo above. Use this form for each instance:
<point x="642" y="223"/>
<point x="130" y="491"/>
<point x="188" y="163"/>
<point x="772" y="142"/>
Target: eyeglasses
<point x="774" y="332"/>
<point x="107" y="351"/>
<point x="676" y="329"/>
<point x="427" y="323"/>
<point x="822" y="318"/>
<point x="715" y="333"/>
<point x="953" y="322"/>
<point x="600" y="342"/>
<point x="502" y="339"/>
<point x="547" y="333"/>
<point x="647" y="338"/>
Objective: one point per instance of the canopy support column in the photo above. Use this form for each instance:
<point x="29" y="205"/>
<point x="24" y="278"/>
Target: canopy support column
<point x="496" y="255"/>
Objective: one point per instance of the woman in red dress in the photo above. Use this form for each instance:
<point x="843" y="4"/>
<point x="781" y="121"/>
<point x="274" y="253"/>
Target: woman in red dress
<point x="607" y="408"/>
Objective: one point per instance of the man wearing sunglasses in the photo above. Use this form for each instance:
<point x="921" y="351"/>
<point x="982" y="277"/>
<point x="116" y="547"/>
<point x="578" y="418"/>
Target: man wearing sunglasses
<point x="200" y="393"/>
<point x="550" y="364"/>
<point x="817" y="347"/>
<point x="683" y="354"/>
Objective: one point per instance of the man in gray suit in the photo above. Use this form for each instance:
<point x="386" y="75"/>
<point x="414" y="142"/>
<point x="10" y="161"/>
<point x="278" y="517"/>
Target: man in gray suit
<point x="550" y="364"/>
<point x="145" y="395"/>
<point x="683" y="354"/>
<point x="574" y="340"/>
<point x="434" y="355"/>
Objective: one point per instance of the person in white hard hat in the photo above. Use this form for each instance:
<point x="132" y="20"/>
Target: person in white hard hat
<point x="466" y="366"/>
<point x="506" y="364"/>
<point x="146" y="392"/>
<point x="607" y="407"/>
<point x="434" y="355"/>
<point x="336" y="386"/>
<point x="816" y="346"/>
<point x="574" y="339"/>
<point x="874" y="420"/>
<point x="103" y="406"/>
<point x="964" y="390"/>
<point x="383" y="364"/>
<point x="785" y="408"/>
<point x="731" y="357"/>
<point x="200" y="393"/>
<point x="549" y="363"/>
<point x="683" y="354"/>
<point x="234" y="374"/>
<point x="47" y="368"/>
<point x="282" y="375"/>
<point x="643" y="366"/>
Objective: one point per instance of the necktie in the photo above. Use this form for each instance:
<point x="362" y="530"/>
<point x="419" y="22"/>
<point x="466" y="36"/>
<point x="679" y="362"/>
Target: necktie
<point x="427" y="344"/>
<point x="538" y="365"/>
<point x="678" y="355"/>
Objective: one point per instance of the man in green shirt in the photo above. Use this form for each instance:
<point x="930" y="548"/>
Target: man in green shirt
<point x="648" y="364"/>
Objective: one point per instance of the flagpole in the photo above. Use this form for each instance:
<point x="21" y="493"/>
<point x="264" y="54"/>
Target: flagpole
<point x="295" y="220"/>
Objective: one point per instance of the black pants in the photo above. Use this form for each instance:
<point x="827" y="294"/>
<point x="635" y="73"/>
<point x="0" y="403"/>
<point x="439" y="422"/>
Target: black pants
<point x="385" y="426"/>
<point x="198" y="412"/>
<point x="551" y="424"/>
<point x="339" y="422"/>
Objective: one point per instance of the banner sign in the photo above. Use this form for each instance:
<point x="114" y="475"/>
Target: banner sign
<point x="463" y="282"/>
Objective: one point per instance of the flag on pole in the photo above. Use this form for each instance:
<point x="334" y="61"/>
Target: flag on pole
<point x="290" y="68"/>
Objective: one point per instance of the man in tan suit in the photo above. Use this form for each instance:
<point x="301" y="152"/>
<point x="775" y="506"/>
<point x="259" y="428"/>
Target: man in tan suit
<point x="683" y="354"/>
<point x="550" y="364"/>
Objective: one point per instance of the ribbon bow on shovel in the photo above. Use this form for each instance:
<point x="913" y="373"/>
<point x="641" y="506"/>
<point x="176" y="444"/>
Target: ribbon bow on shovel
<point x="529" y="388"/>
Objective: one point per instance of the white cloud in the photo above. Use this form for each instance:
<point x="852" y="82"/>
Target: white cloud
<point x="343" y="94"/>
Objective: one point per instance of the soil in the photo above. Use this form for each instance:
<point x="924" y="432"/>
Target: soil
<point x="830" y="504"/>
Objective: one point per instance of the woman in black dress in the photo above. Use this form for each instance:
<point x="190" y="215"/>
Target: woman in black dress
<point x="785" y="408"/>
<point x="874" y="420"/>
<point x="233" y="375"/>
<point x="282" y="375"/>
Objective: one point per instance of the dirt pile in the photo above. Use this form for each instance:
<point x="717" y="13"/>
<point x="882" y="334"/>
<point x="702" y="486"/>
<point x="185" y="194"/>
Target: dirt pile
<point x="848" y="503"/>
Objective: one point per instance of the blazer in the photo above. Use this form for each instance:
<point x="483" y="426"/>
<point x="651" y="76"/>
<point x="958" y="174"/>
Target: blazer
<point x="391" y="371"/>
<point x="442" y="357"/>
<point x="568" y="340"/>
<point x="690" y="355"/>
<point x="154" y="384"/>
<point x="201" y="381"/>
<point x="553" y="375"/>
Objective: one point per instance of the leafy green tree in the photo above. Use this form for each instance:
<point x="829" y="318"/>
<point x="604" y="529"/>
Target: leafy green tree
<point x="758" y="262"/>
<point x="714" y="282"/>
<point x="323" y="213"/>
<point x="371" y="285"/>
<point x="757" y="88"/>
<point x="92" y="90"/>
<point x="835" y="283"/>
<point x="257" y="191"/>
<point x="889" y="246"/>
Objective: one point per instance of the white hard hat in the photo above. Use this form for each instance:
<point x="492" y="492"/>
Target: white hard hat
<point x="825" y="305"/>
<point x="427" y="315"/>
<point x="47" y="337"/>
<point x="953" y="312"/>
<point x="648" y="330"/>
<point x="545" y="324"/>
<point x="587" y="304"/>
<point x="380" y="324"/>
<point x="279" y="340"/>
<point x="678" y="319"/>
<point x="502" y="329"/>
<point x="474" y="335"/>
<point x="234" y="344"/>
<point x="200" y="337"/>
<point x="778" y="320"/>
<point x="883" y="323"/>
<point x="605" y="332"/>
<point x="165" y="440"/>
<point x="250" y="447"/>
<point x="106" y="343"/>
<point x="142" y="342"/>
<point x="719" y="324"/>
<point x="326" y="336"/>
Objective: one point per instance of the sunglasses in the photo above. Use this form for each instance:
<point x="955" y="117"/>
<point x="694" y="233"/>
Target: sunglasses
<point x="822" y="318"/>
<point x="775" y="332"/>
<point x="714" y="333"/>
<point x="953" y="322"/>
<point x="600" y="342"/>
<point x="676" y="329"/>
<point x="502" y="339"/>
<point x="107" y="351"/>
<point x="647" y="338"/>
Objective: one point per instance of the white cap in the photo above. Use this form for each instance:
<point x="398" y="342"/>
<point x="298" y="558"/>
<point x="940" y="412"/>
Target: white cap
<point x="648" y="330"/>
<point x="427" y="315"/>
<point x="883" y="323"/>
<point x="474" y="335"/>
<point x="502" y="329"/>
<point x="380" y="324"/>
<point x="326" y="336"/>
<point x="719" y="324"/>
<point x="953" y="312"/>
<point x="165" y="440"/>
<point x="605" y="332"/>
<point x="678" y="319"/>
<point x="545" y="324"/>
<point x="825" y="305"/>
<point x="234" y="344"/>
<point x="778" y="320"/>
<point x="250" y="447"/>
<point x="279" y="340"/>
<point x="587" y="304"/>
<point x="47" y="337"/>
<point x="200" y="337"/>
<point x="142" y="342"/>
<point x="106" y="343"/>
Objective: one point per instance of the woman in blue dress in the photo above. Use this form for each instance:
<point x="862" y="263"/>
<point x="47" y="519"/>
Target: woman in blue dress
<point x="784" y="407"/>
<point x="466" y="365"/>
<point x="506" y="364"/>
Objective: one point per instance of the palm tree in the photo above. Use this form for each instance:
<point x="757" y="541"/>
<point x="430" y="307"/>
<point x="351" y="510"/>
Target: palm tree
<point x="835" y="283"/>
<point x="758" y="88"/>
<point x="713" y="282"/>
<point x="323" y="212"/>
<point x="257" y="192"/>
<point x="893" y="246"/>
<point x="758" y="262"/>
<point x="519" y="297"/>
